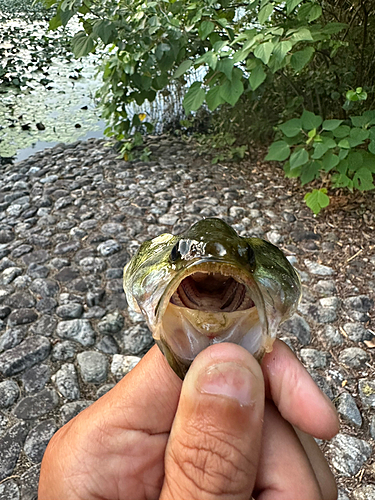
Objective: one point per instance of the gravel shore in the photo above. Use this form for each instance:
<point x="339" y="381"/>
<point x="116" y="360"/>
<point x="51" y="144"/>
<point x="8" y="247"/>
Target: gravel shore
<point x="70" y="219"/>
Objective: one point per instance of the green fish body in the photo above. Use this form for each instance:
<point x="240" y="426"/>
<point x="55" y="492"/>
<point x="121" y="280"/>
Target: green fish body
<point x="210" y="285"/>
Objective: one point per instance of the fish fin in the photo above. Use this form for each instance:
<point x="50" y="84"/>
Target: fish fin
<point x="176" y="364"/>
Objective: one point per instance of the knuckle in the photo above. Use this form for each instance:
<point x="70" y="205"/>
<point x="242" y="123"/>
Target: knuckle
<point x="212" y="462"/>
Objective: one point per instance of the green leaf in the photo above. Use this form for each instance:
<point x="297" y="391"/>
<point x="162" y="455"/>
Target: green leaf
<point x="291" y="5"/>
<point x="82" y="44"/>
<point x="357" y="136"/>
<point x="183" y="67"/>
<point x="298" y="158"/>
<point x="205" y="28"/>
<point x="344" y="144"/>
<point x="257" y="77"/>
<point x="363" y="180"/>
<point x="342" y="131"/>
<point x="281" y="49"/>
<point x="309" y="172"/>
<point x="310" y="120"/>
<point x="330" y="161"/>
<point x="315" y="12"/>
<point x="225" y="65"/>
<point x="331" y="124"/>
<point x="300" y="58"/>
<point x="292" y="127"/>
<point x="194" y="97"/>
<point x="317" y="199"/>
<point x="213" y="98"/>
<point x="358" y="121"/>
<point x="355" y="160"/>
<point x="55" y="21"/>
<point x="265" y="13"/>
<point x="301" y="35"/>
<point x="264" y="51"/>
<point x="371" y="147"/>
<point x="319" y="150"/>
<point x="105" y="30"/>
<point x="278" y="151"/>
<point x="343" y="153"/>
<point x="209" y="58"/>
<point x="232" y="90"/>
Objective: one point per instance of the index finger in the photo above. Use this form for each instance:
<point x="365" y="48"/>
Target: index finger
<point x="297" y="397"/>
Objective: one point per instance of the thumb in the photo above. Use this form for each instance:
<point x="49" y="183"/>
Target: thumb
<point x="214" y="445"/>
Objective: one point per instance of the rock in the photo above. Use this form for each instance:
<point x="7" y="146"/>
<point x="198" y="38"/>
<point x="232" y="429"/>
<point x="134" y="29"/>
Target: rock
<point x="29" y="483"/>
<point x="372" y="427"/>
<point x="63" y="351"/>
<point x="9" y="490"/>
<point x="104" y="389"/>
<point x="93" y="366"/>
<point x="32" y="407"/>
<point x="361" y="303"/>
<point x="79" y="330"/>
<point x="34" y="379"/>
<point x="325" y="287"/>
<point x="11" y="338"/>
<point x="322" y="383"/>
<point x="22" y="317"/>
<point x="20" y="300"/>
<point x="28" y="353"/>
<point x="318" y="269"/>
<point x="67" y="274"/>
<point x="348" y="454"/>
<point x="298" y="327"/>
<point x="9" y="275"/>
<point x="111" y="323"/>
<point x="331" y="336"/>
<point x="109" y="247"/>
<point x="348" y="409"/>
<point x="70" y="310"/>
<point x="38" y="438"/>
<point x="121" y="365"/>
<point x="108" y="345"/>
<point x="356" y="332"/>
<point x="46" y="325"/>
<point x="314" y="358"/>
<point x="342" y="495"/>
<point x="136" y="339"/>
<point x="67" y="382"/>
<point x="44" y="287"/>
<point x="366" y="492"/>
<point x="353" y="357"/>
<point x="71" y="410"/>
<point x="366" y="388"/>
<point x="275" y="237"/>
<point x="9" y="392"/>
<point x="11" y="443"/>
<point x="92" y="265"/>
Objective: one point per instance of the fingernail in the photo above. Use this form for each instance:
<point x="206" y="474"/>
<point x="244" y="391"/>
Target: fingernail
<point x="227" y="379"/>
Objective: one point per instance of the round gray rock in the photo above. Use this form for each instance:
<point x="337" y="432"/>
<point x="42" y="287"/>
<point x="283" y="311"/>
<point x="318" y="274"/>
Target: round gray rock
<point x="93" y="366"/>
<point x="66" y="381"/>
<point x="348" y="409"/>
<point x="9" y="392"/>
<point x="38" y="438"/>
<point x="348" y="454"/>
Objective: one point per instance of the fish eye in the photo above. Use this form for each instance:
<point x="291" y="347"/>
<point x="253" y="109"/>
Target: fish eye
<point x="175" y="253"/>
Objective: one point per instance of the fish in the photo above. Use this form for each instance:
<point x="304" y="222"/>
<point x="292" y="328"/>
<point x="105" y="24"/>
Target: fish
<point x="210" y="285"/>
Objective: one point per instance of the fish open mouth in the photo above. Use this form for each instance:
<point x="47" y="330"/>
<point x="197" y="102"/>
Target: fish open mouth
<point x="212" y="303"/>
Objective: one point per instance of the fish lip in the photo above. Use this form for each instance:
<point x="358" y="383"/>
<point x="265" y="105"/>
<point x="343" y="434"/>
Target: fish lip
<point x="215" y="265"/>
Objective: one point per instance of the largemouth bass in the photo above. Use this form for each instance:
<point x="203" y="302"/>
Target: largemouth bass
<point x="210" y="285"/>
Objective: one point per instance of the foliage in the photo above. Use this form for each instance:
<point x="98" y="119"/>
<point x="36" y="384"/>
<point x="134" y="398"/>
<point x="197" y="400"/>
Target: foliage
<point x="313" y="148"/>
<point x="257" y="63"/>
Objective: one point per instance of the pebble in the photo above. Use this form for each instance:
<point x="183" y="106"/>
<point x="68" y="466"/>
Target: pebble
<point x="11" y="337"/>
<point x="66" y="381"/>
<point x="318" y="269"/>
<point x="121" y="365"/>
<point x="331" y="336"/>
<point x="29" y="483"/>
<point x="355" y="332"/>
<point x="366" y="492"/>
<point x="349" y="454"/>
<point x="9" y="490"/>
<point x="11" y="443"/>
<point x="136" y="339"/>
<point x="361" y="303"/>
<point x="353" y="357"/>
<point x="93" y="366"/>
<point x="348" y="409"/>
<point x="38" y="438"/>
<point x="298" y="327"/>
<point x="111" y="323"/>
<point x="314" y="358"/>
<point x="32" y="407"/>
<point x="34" y="379"/>
<point x="9" y="392"/>
<point x="325" y="287"/>
<point x="366" y="388"/>
<point x="79" y="330"/>
<point x="28" y="353"/>
<point x="71" y="410"/>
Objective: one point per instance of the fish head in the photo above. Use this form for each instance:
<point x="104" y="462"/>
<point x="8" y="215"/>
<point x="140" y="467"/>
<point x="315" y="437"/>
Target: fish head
<point x="210" y="285"/>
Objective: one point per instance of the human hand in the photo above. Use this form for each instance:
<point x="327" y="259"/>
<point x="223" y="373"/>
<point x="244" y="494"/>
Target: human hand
<point x="152" y="437"/>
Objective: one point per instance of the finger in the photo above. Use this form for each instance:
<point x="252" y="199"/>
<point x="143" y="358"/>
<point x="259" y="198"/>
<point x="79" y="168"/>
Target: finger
<point x="284" y="472"/>
<point x="296" y="395"/>
<point x="215" y="439"/>
<point x="320" y="466"/>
